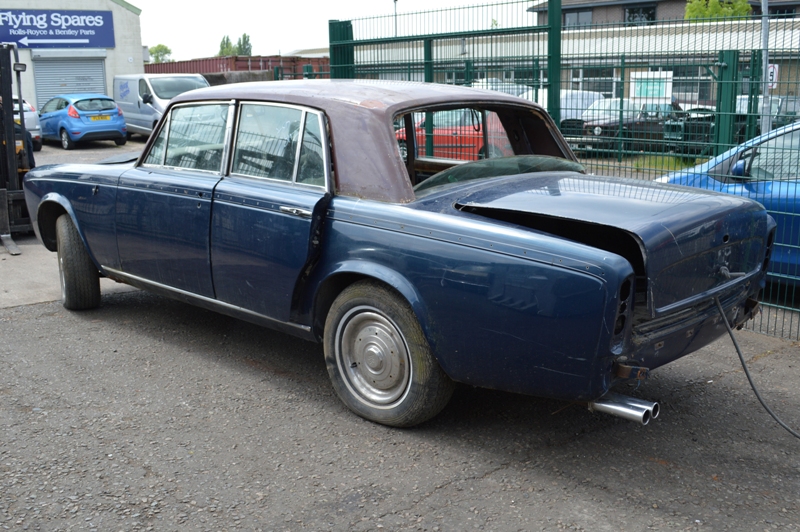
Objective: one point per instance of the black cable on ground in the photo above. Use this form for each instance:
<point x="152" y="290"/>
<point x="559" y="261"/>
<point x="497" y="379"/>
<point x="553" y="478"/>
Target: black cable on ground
<point x="747" y="372"/>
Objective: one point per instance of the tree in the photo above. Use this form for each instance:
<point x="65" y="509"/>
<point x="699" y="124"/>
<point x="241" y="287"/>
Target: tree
<point x="705" y="9"/>
<point x="160" y="53"/>
<point x="226" y="48"/>
<point x="243" y="46"/>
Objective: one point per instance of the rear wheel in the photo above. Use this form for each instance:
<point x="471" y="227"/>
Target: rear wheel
<point x="37" y="145"/>
<point x="379" y="360"/>
<point x="66" y="142"/>
<point x="80" y="280"/>
<point x="121" y="142"/>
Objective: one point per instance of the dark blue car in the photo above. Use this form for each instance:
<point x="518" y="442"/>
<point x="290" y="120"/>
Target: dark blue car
<point x="765" y="169"/>
<point x="73" y="118"/>
<point x="290" y="204"/>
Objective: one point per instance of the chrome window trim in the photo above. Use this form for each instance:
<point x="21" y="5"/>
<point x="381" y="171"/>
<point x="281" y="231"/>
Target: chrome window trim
<point x="293" y="182"/>
<point x="226" y="141"/>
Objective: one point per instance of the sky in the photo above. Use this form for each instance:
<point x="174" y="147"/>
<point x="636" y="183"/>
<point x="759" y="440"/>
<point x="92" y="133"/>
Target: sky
<point x="194" y="29"/>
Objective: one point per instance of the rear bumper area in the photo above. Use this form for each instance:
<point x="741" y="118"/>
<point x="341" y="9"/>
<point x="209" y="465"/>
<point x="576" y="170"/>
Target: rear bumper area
<point x="663" y="340"/>
<point x="101" y="135"/>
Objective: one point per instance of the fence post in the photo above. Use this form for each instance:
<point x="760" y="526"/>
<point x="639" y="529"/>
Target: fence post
<point x="554" y="60"/>
<point x="428" y="46"/>
<point x="469" y="72"/>
<point x="342" y="49"/>
<point x="428" y="59"/>
<point x="725" y="120"/>
<point x="754" y="89"/>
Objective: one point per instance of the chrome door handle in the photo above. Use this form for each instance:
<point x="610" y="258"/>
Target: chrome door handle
<point x="296" y="211"/>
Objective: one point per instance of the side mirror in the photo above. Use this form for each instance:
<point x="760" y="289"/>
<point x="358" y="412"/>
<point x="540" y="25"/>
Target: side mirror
<point x="147" y="98"/>
<point x="737" y="170"/>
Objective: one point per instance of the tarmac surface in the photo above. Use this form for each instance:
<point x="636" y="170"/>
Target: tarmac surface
<point x="149" y="414"/>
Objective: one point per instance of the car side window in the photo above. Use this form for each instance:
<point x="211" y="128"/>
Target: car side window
<point x="143" y="88"/>
<point x="50" y="106"/>
<point x="267" y="141"/>
<point x="776" y="159"/>
<point x="311" y="168"/>
<point x="62" y="104"/>
<point x="193" y="137"/>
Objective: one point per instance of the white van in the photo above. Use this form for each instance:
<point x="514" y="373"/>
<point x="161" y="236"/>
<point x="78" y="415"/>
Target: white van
<point x="143" y="97"/>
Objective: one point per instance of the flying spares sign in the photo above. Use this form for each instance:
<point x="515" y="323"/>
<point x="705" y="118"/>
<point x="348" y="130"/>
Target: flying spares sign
<point x="57" y="29"/>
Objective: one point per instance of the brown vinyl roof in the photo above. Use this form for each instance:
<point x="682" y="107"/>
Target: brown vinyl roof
<point x="360" y="115"/>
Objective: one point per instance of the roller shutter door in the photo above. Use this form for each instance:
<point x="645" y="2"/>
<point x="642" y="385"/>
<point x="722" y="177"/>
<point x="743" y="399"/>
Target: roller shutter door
<point x="65" y="76"/>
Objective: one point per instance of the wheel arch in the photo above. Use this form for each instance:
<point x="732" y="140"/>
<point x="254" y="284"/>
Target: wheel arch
<point x="350" y="272"/>
<point x="50" y="208"/>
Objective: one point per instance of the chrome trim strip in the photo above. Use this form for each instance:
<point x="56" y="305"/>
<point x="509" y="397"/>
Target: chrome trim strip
<point x="135" y="280"/>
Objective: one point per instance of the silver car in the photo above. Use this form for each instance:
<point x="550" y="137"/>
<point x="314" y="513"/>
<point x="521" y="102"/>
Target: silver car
<point x="31" y="122"/>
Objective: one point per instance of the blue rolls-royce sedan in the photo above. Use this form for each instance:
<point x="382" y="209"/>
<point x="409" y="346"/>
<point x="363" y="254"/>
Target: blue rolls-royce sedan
<point x="291" y="205"/>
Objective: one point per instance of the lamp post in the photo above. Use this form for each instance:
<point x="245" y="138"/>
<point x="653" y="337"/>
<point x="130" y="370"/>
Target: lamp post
<point x="766" y="105"/>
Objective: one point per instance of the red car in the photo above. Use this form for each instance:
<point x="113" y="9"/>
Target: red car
<point x="457" y="134"/>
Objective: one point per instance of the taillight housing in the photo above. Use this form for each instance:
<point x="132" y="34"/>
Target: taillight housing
<point x="622" y="320"/>
<point x="119" y="111"/>
<point x="72" y="113"/>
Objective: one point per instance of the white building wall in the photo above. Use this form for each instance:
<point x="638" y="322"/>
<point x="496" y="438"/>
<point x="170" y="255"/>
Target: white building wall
<point x="125" y="58"/>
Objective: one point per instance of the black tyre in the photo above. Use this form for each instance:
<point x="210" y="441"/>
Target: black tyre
<point x="66" y="142"/>
<point x="378" y="359"/>
<point x="80" y="280"/>
<point x="37" y="145"/>
<point x="121" y="142"/>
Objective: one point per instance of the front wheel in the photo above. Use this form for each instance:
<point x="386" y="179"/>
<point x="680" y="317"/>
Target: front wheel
<point x="379" y="360"/>
<point x="66" y="142"/>
<point x="80" y="280"/>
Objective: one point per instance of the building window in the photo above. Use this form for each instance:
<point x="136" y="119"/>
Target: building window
<point x="640" y="15"/>
<point x="596" y="79"/>
<point x="790" y="11"/>
<point x="577" y="18"/>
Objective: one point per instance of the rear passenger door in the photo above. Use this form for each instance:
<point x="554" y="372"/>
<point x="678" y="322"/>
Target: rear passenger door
<point x="267" y="213"/>
<point x="163" y="209"/>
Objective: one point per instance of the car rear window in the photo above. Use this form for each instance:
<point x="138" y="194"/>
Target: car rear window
<point x="95" y="104"/>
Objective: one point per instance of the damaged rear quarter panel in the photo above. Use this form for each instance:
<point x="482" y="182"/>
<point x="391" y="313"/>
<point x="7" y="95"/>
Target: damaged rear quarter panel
<point x="502" y="307"/>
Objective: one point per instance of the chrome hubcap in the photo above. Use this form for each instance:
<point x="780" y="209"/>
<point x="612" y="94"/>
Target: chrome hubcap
<point x="372" y="356"/>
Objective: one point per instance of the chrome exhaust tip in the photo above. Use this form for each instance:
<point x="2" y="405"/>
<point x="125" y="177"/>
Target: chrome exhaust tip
<point x="629" y="408"/>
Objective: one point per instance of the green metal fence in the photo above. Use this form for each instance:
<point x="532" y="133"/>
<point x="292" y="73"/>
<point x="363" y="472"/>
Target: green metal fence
<point x="662" y="96"/>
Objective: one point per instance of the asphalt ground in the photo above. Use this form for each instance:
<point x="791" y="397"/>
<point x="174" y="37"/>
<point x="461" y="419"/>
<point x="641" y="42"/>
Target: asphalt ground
<point x="149" y="414"/>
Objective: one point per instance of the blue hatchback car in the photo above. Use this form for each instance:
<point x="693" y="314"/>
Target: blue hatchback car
<point x="766" y="169"/>
<point x="73" y="118"/>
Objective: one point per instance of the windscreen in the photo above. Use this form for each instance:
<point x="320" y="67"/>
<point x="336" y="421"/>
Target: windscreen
<point x="168" y="88"/>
